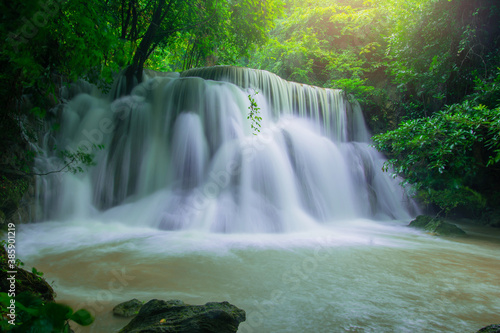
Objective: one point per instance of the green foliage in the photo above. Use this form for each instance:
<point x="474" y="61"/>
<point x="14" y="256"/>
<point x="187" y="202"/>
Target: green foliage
<point x="32" y="303"/>
<point x="403" y="60"/>
<point x="12" y="189"/>
<point x="437" y="48"/>
<point x="11" y="192"/>
<point x="44" y="45"/>
<point x="448" y="155"/>
<point x="78" y="25"/>
<point x="49" y="44"/>
<point x="326" y="43"/>
<point x="195" y="33"/>
<point x="34" y="315"/>
<point x="36" y="272"/>
<point x="451" y="198"/>
<point x="355" y="88"/>
<point x="78" y="160"/>
<point x="253" y="114"/>
<point x="3" y="267"/>
<point x="52" y="39"/>
<point x="423" y="53"/>
<point x="221" y="34"/>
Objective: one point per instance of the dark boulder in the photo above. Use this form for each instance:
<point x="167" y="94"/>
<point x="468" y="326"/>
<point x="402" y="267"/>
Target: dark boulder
<point x="177" y="317"/>
<point x="25" y="281"/>
<point x="127" y="309"/>
<point x="490" y="329"/>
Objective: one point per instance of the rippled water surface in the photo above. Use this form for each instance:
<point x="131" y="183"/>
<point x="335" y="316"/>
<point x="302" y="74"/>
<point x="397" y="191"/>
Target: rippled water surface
<point x="363" y="276"/>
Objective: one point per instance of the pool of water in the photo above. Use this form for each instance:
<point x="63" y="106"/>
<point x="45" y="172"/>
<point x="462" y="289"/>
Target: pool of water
<point x="357" y="276"/>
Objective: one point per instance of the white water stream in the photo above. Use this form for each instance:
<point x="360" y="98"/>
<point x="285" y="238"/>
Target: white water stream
<point x="297" y="225"/>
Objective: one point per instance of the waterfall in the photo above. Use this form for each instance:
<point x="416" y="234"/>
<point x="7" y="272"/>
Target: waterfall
<point x="179" y="153"/>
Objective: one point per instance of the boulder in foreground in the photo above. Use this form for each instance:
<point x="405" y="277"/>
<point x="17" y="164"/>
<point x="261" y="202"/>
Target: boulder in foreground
<point x="175" y="316"/>
<point x="127" y="309"/>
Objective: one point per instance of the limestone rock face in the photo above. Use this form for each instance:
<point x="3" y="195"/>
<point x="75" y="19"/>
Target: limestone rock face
<point x="175" y="316"/>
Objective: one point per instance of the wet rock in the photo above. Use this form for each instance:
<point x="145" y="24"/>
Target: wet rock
<point x="447" y="229"/>
<point x="420" y="221"/>
<point x="128" y="309"/>
<point x="25" y="281"/>
<point x="490" y="329"/>
<point x="436" y="226"/>
<point x="175" y="316"/>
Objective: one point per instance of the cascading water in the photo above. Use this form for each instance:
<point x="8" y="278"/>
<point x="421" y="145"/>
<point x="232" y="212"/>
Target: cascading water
<point x="185" y="203"/>
<point x="184" y="144"/>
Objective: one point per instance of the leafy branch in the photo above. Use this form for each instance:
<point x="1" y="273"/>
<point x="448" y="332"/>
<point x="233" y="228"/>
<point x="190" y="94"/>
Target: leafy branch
<point x="73" y="162"/>
<point x="254" y="112"/>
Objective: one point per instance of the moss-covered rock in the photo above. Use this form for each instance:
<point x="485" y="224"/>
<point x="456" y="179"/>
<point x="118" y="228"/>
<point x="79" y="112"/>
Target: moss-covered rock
<point x="490" y="329"/>
<point x="25" y="281"/>
<point x="12" y="191"/>
<point x="420" y="221"/>
<point x="128" y="308"/>
<point x="436" y="226"/>
<point x="447" y="229"/>
<point x="177" y="317"/>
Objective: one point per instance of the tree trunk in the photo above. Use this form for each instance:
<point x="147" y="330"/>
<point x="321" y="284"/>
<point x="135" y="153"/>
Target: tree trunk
<point x="134" y="71"/>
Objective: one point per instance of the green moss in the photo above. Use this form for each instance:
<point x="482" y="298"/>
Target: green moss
<point x="448" y="229"/>
<point x="128" y="309"/>
<point x="25" y="281"/>
<point x="436" y="226"/>
<point x="420" y="221"/>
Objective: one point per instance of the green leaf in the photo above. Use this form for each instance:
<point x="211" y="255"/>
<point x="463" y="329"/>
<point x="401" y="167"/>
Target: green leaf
<point x="57" y="314"/>
<point x="82" y="317"/>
